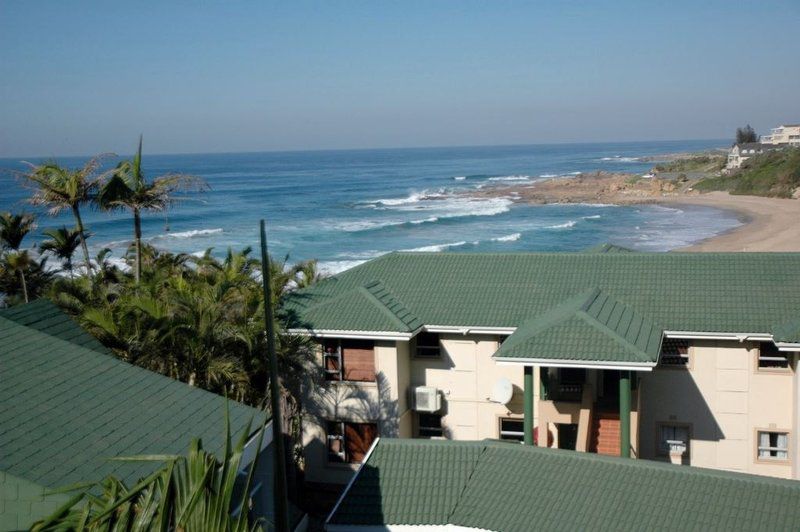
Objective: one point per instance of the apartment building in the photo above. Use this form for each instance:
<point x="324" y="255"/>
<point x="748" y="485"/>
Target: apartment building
<point x="788" y="134"/>
<point x="682" y="358"/>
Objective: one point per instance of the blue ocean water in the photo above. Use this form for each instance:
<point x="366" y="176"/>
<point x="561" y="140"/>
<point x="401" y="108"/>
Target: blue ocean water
<point x="344" y="207"/>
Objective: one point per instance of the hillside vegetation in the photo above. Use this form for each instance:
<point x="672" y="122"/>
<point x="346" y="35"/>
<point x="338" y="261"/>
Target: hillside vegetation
<point x="705" y="163"/>
<point x="774" y="174"/>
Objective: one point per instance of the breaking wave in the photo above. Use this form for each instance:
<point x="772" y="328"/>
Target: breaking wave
<point x="620" y="159"/>
<point x="508" y="238"/>
<point x="439" y="247"/>
<point x="565" y="225"/>
<point x="189" y="234"/>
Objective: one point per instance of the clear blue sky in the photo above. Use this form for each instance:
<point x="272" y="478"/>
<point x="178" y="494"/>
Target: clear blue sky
<point x="88" y="77"/>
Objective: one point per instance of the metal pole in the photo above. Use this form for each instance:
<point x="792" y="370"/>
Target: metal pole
<point x="527" y="424"/>
<point x="279" y="482"/>
<point x="625" y="414"/>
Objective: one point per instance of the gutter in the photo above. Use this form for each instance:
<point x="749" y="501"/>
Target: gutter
<point x="556" y="363"/>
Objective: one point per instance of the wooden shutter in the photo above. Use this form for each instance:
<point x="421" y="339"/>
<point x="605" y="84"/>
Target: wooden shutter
<point x="358" y="358"/>
<point x="358" y="438"/>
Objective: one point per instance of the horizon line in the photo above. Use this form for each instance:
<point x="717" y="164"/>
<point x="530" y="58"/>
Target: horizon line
<point x="397" y="148"/>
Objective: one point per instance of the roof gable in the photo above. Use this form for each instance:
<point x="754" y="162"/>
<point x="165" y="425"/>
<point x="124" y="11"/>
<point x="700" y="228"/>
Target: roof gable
<point x="591" y="326"/>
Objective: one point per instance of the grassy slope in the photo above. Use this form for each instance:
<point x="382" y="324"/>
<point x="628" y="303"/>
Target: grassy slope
<point x="701" y="163"/>
<point x="773" y="174"/>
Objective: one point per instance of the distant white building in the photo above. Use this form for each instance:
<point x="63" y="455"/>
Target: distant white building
<point x="788" y="134"/>
<point x="741" y="152"/>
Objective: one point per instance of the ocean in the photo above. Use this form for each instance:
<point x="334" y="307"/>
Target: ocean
<point x="345" y="207"/>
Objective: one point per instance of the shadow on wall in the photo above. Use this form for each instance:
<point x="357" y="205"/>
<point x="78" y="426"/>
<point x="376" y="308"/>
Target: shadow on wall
<point x="352" y="402"/>
<point x="671" y="396"/>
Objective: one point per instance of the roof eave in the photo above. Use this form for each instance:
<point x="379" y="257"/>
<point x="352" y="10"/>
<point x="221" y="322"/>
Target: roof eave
<point x="353" y="334"/>
<point x="561" y="363"/>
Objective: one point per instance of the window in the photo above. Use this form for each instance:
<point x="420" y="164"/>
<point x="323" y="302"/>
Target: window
<point x="349" y="442"/>
<point x="773" y="445"/>
<point x="349" y="360"/>
<point x="675" y="352"/>
<point x="512" y="429"/>
<point x="770" y="358"/>
<point x="673" y="439"/>
<point x="430" y="425"/>
<point x="428" y="345"/>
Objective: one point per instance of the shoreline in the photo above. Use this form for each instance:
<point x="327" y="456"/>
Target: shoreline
<point x="770" y="224"/>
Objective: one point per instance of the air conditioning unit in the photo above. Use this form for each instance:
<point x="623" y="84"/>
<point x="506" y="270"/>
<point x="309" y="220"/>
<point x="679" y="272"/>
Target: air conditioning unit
<point x="427" y="399"/>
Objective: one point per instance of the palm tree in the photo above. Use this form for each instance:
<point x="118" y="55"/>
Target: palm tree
<point x="63" y="243"/>
<point x="14" y="228"/>
<point x="129" y="189"/>
<point x="59" y="188"/>
<point x="18" y="262"/>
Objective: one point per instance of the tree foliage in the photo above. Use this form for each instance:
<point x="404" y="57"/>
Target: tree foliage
<point x="196" y="319"/>
<point x="746" y="134"/>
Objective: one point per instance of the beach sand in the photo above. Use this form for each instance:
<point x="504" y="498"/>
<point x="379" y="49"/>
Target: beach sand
<point x="772" y="224"/>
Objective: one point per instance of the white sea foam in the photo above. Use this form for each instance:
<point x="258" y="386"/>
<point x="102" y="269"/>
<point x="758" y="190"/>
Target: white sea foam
<point x="439" y="247"/>
<point x="511" y="178"/>
<point x="364" y="225"/>
<point x="119" y="263"/>
<point x="432" y="219"/>
<point x="592" y="217"/>
<point x="565" y="225"/>
<point x="621" y="159"/>
<point x="548" y="176"/>
<point x="336" y="266"/>
<point x="460" y="178"/>
<point x="189" y="234"/>
<point x="508" y="238"/>
<point x="414" y="197"/>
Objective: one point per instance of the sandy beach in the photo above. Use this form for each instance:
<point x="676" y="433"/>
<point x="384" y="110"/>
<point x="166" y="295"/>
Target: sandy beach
<point x="771" y="223"/>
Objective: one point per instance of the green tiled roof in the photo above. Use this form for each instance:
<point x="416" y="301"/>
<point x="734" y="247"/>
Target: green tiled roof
<point x="66" y="409"/>
<point x="589" y="326"/>
<point x="787" y="332"/>
<point x="608" y="248"/>
<point x="703" y="292"/>
<point x="511" y="487"/>
<point x="44" y="316"/>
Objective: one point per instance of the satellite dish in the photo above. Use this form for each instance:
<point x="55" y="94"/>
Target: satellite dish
<point x="502" y="391"/>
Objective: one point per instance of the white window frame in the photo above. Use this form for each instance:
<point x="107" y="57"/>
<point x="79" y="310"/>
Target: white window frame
<point x="666" y="446"/>
<point x="780" y="358"/>
<point x="514" y="434"/>
<point x="435" y="351"/>
<point x="342" y="454"/>
<point x="335" y="355"/>
<point x="772" y="448"/>
<point x="429" y="431"/>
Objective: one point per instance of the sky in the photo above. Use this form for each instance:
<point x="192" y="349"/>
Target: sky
<point x="86" y="77"/>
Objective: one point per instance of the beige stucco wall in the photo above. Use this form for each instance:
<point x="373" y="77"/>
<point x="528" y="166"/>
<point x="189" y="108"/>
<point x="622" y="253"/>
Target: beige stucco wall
<point x="465" y="376"/>
<point x="725" y="400"/>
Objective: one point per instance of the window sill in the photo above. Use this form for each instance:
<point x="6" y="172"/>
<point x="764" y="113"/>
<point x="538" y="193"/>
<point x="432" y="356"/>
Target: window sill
<point x="358" y="384"/>
<point x="773" y="461"/>
<point x="775" y="371"/>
